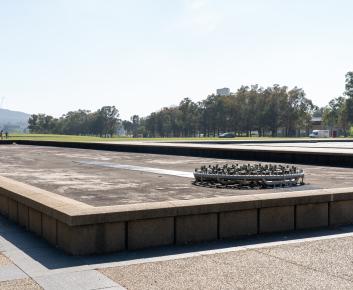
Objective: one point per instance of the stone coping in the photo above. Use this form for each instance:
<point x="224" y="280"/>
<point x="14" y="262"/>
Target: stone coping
<point x="75" y="213"/>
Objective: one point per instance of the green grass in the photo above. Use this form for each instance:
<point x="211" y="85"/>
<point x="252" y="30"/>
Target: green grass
<point x="73" y="138"/>
<point x="68" y="138"/>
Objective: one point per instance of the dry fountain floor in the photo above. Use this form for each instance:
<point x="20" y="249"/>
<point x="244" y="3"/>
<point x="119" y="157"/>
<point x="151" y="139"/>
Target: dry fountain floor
<point x="91" y="176"/>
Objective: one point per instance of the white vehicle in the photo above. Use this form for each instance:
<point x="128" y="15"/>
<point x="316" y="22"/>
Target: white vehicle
<point x="320" y="134"/>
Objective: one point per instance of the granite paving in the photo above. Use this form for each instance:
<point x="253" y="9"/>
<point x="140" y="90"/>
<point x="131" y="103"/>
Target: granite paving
<point x="81" y="280"/>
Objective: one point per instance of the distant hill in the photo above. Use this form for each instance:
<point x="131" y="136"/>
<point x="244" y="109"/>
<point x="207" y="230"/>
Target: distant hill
<point x="13" y="120"/>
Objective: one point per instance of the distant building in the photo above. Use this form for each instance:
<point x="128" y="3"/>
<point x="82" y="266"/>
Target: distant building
<point x="317" y="123"/>
<point x="121" y="131"/>
<point x="223" y="92"/>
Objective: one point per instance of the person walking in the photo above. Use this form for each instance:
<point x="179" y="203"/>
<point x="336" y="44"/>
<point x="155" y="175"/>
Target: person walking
<point x="1" y="134"/>
<point x="6" y="135"/>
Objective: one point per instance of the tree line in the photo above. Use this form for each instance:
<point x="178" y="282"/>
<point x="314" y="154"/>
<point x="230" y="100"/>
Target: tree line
<point x="103" y="122"/>
<point x="250" y="110"/>
<point x="264" y="111"/>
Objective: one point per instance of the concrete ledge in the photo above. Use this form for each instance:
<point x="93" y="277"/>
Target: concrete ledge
<point x="23" y="215"/>
<point x="312" y="216"/>
<point x="80" y="229"/>
<point x="35" y="221"/>
<point x="13" y="210"/>
<point x="276" y="219"/>
<point x="49" y="229"/>
<point x="113" y="238"/>
<point x="150" y="233"/>
<point x="91" y="239"/>
<point x="236" y="224"/>
<point x="341" y="212"/>
<point x="4" y="205"/>
<point x="196" y="228"/>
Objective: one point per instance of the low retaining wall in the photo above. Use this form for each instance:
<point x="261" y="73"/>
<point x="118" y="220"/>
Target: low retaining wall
<point x="80" y="229"/>
<point x="198" y="150"/>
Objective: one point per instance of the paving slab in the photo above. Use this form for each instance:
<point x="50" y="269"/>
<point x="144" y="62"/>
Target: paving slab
<point x="11" y="272"/>
<point x="83" y="280"/>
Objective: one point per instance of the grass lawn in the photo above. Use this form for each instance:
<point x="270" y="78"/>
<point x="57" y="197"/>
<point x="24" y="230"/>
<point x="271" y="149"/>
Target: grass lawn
<point x="73" y="138"/>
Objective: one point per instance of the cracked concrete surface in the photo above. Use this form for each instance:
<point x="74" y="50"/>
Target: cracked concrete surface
<point x="60" y="170"/>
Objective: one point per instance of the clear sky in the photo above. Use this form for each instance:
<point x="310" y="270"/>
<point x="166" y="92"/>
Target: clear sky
<point x="140" y="55"/>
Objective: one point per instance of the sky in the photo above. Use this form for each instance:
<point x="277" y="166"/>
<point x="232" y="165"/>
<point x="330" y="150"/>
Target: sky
<point x="140" y="55"/>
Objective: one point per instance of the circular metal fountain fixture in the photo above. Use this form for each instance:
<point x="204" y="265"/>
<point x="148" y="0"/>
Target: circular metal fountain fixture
<point x="244" y="176"/>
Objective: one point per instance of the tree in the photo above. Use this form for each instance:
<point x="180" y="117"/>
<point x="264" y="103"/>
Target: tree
<point x="188" y="118"/>
<point x="127" y="125"/>
<point x="302" y="109"/>
<point x="42" y="124"/>
<point x="76" y="123"/>
<point x="349" y="85"/>
<point x="135" y="123"/>
<point x="348" y="110"/>
<point x="33" y="123"/>
<point x="274" y="108"/>
<point x="106" y="121"/>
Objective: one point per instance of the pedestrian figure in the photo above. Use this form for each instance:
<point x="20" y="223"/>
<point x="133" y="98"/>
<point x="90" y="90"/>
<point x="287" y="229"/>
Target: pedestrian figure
<point x="6" y="135"/>
<point x="1" y="136"/>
